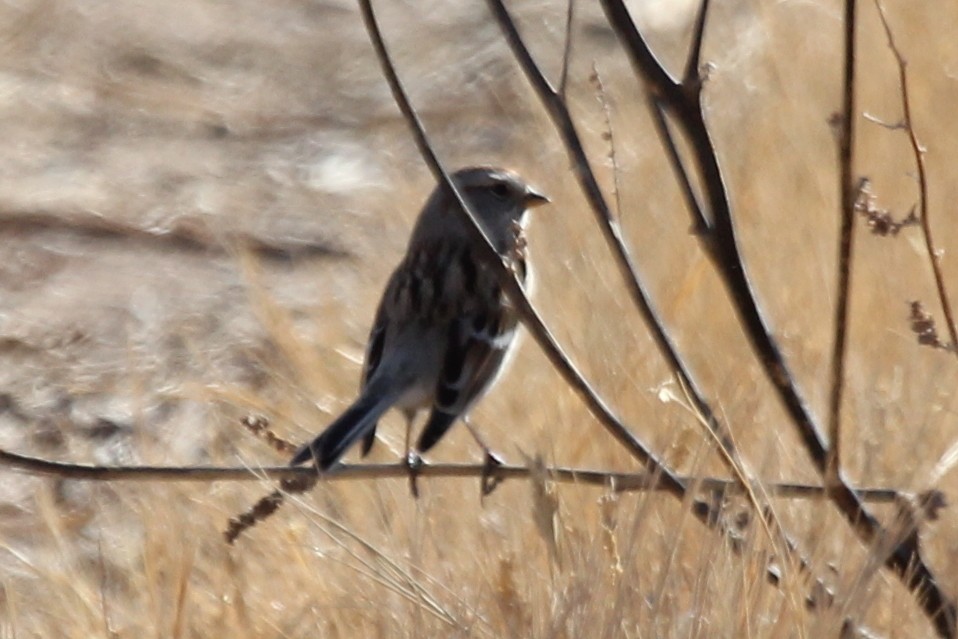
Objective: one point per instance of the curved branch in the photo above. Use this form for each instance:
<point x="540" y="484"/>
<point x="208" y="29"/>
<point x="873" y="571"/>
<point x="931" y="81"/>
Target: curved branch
<point x="608" y="223"/>
<point x="530" y="317"/>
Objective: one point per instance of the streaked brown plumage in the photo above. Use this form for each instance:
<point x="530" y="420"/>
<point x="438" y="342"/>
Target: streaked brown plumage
<point x="444" y="328"/>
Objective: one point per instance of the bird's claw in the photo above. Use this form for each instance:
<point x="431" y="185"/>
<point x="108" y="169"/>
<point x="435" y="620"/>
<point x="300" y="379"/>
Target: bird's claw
<point x="490" y="478"/>
<point x="414" y="465"/>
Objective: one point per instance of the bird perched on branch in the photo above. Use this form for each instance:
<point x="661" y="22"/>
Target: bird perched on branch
<point x="444" y="327"/>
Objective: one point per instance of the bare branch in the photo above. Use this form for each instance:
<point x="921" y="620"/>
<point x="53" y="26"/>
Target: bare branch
<point x="558" y="111"/>
<point x="617" y="482"/>
<point x="684" y="103"/>
<point x="567" y="48"/>
<point x="846" y="239"/>
<point x="612" y="231"/>
<point x="701" y="226"/>
<point x="717" y="233"/>
<point x="693" y="64"/>
<point x="918" y="151"/>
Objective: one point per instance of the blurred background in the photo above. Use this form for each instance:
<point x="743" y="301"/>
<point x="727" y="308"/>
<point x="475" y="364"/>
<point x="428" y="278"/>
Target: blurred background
<point x="200" y="202"/>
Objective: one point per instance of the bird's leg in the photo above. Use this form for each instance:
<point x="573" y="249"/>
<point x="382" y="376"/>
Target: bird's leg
<point x="490" y="479"/>
<point x="412" y="459"/>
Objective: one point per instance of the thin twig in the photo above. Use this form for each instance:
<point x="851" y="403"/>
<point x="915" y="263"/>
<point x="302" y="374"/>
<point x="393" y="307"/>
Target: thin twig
<point x="610" y="134"/>
<point x="567" y="48"/>
<point x="918" y="151"/>
<point x="701" y="226"/>
<point x="693" y="64"/>
<point x="619" y="482"/>
<point x="846" y="245"/>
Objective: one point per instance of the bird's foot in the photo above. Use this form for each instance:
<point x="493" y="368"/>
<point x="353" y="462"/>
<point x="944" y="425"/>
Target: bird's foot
<point x="490" y="478"/>
<point x="414" y="465"/>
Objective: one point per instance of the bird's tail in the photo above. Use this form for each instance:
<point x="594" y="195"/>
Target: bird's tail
<point x="349" y="427"/>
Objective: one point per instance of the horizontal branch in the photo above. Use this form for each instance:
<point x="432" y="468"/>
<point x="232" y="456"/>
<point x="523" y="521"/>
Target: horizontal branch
<point x="622" y="482"/>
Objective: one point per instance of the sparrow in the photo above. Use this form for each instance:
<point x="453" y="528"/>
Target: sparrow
<point x="444" y="330"/>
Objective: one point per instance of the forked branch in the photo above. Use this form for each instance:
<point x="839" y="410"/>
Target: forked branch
<point x="555" y="104"/>
<point x="918" y="152"/>
<point x="683" y="101"/>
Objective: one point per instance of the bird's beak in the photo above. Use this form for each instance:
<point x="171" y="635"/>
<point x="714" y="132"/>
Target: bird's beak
<point x="534" y="198"/>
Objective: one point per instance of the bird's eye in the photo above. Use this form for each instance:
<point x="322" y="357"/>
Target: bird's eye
<point x="500" y="190"/>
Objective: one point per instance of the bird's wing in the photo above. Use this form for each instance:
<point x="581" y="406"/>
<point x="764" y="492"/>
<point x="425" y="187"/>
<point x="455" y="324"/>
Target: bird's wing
<point x="411" y="294"/>
<point x="477" y="346"/>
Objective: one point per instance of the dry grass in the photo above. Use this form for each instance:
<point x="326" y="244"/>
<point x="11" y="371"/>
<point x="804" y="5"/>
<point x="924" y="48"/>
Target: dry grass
<point x="270" y="120"/>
